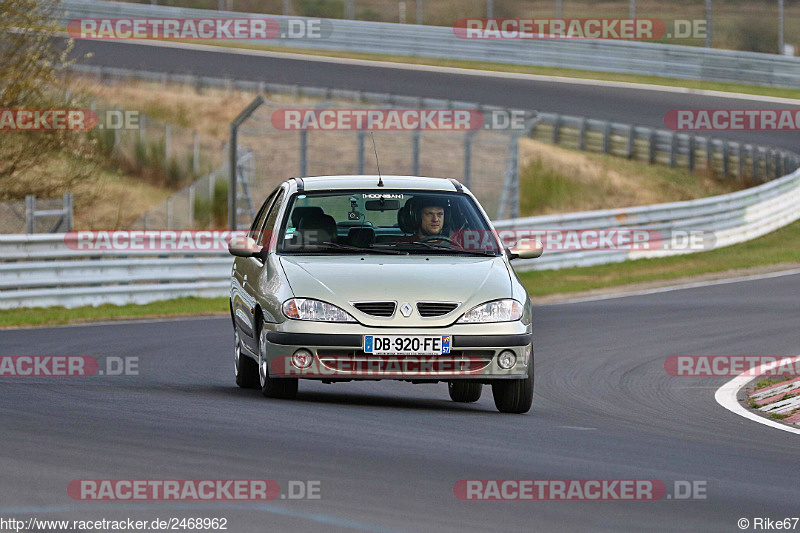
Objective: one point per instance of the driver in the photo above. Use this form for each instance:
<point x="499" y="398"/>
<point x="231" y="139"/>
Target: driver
<point x="428" y="217"/>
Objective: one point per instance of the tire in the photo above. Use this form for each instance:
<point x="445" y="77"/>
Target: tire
<point x="245" y="369"/>
<point x="464" y="391"/>
<point x="283" y="388"/>
<point x="514" y="396"/>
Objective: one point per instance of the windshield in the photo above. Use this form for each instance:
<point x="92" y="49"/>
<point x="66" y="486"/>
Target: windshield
<point x="375" y="221"/>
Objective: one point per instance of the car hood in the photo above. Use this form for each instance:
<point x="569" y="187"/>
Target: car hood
<point x="344" y="280"/>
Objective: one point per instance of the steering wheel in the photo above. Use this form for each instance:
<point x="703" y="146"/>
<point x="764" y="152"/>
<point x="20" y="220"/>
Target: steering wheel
<point x="445" y="238"/>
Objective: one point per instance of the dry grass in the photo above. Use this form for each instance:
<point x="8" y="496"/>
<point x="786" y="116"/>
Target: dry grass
<point x="557" y="180"/>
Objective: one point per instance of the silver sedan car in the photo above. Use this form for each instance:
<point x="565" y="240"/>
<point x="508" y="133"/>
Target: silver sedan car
<point x="345" y="278"/>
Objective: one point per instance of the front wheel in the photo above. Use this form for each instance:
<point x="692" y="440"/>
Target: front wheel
<point x="285" y="388"/>
<point x="245" y="369"/>
<point x="514" y="395"/>
<point x="464" y="391"/>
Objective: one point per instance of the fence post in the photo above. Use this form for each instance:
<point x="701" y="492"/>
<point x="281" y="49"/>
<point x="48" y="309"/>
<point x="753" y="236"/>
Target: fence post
<point x="652" y="148"/>
<point x="673" y="149"/>
<point x="169" y="212"/>
<point x="303" y="153"/>
<point x="195" y="152"/>
<point x="709" y="154"/>
<point x="415" y="148"/>
<point x="360" y="142"/>
<point x="191" y="205"/>
<point x="30" y="210"/>
<point x="468" y="157"/>
<point x="692" y="146"/>
<point x="606" y="137"/>
<point x="167" y="143"/>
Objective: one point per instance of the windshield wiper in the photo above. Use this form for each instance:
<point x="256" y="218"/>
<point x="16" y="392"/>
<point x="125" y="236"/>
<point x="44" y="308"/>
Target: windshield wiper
<point x="432" y="246"/>
<point x="347" y="248"/>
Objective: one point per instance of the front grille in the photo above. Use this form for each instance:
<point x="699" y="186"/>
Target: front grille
<point x="431" y="309"/>
<point x="383" y="309"/>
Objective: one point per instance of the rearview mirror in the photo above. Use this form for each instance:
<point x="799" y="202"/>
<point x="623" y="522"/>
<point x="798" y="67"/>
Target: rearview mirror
<point x="526" y="249"/>
<point x="243" y="246"/>
<point x="382" y="205"/>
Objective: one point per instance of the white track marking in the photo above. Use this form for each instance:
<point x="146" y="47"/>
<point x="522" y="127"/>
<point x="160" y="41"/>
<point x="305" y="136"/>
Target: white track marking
<point x="726" y="397"/>
<point x="671" y="288"/>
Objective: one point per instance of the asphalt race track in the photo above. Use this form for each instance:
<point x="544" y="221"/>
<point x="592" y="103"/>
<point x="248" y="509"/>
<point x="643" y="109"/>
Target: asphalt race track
<point x="633" y="106"/>
<point x="388" y="454"/>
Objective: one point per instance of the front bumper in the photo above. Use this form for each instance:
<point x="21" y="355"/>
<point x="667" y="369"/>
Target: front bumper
<point x="340" y="356"/>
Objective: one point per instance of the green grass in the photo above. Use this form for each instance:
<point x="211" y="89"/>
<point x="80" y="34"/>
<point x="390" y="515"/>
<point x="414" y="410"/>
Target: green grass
<point x="781" y="246"/>
<point x="52" y="316"/>
<point x="763" y="383"/>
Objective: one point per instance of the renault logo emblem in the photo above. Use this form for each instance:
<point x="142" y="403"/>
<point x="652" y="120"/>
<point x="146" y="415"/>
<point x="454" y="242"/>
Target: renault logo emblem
<point x="406" y="309"/>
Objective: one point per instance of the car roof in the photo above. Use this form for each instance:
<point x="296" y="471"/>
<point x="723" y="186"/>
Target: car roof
<point x="320" y="183"/>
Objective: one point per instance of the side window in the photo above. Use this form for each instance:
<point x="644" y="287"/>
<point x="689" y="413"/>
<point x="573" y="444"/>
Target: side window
<point x="272" y="217"/>
<point x="262" y="214"/>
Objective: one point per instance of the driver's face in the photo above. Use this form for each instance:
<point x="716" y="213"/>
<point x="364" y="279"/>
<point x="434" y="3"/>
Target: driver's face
<point x="432" y="220"/>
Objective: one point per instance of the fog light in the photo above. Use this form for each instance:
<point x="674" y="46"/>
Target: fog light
<point x="302" y="358"/>
<point x="507" y="359"/>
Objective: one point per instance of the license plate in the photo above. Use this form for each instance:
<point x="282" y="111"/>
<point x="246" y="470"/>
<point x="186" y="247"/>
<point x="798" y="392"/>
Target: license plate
<point x="407" y="344"/>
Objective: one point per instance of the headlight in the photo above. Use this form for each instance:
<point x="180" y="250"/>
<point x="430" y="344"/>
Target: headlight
<point x="306" y="309"/>
<point x="497" y="311"/>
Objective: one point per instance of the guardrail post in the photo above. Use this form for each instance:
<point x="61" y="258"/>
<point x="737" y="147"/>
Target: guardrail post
<point x="30" y="213"/>
<point x="607" y="137"/>
<point x="68" y="210"/>
<point x="673" y="150"/>
<point x="692" y="150"/>
<point x="631" y="134"/>
<point x="415" y="149"/>
<point x="709" y="154"/>
<point x="557" y="129"/>
<point x="725" y="159"/>
<point x="652" y="147"/>
<point x="756" y="163"/>
<point x="581" y="134"/>
<point x="740" y="160"/>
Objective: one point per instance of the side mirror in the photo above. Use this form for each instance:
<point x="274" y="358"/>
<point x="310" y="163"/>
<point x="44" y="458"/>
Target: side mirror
<point x="243" y="246"/>
<point x="525" y="249"/>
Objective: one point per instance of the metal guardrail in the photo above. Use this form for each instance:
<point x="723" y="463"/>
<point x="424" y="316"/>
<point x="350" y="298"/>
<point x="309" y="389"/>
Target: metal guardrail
<point x="653" y="59"/>
<point x="40" y="270"/>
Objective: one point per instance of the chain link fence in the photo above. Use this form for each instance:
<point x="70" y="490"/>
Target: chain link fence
<point x="483" y="159"/>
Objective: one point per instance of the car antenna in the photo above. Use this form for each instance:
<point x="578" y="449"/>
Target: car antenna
<point x="377" y="162"/>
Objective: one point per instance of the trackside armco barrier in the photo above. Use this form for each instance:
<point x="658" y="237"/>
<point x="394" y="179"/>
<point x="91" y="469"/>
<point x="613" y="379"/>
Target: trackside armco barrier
<point x="41" y="270"/>
<point x="674" y="61"/>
